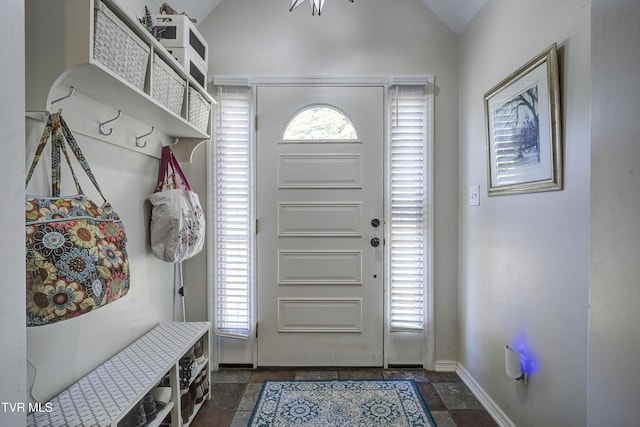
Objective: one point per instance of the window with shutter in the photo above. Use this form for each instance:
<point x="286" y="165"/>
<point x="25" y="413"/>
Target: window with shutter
<point x="408" y="207"/>
<point x="233" y="236"/>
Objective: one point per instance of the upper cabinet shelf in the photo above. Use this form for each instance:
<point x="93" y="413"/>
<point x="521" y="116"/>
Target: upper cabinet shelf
<point x="105" y="54"/>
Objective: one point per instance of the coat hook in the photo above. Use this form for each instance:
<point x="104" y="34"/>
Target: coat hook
<point x="71" y="90"/>
<point x="138" y="138"/>
<point x="101" y="128"/>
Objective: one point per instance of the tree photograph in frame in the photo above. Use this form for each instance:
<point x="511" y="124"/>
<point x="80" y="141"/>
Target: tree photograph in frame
<point x="524" y="138"/>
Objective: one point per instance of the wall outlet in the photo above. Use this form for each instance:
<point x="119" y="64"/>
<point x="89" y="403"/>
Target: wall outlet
<point x="474" y="195"/>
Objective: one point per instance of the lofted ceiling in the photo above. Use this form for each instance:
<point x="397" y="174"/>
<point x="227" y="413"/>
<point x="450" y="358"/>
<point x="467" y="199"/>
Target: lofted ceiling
<point x="455" y="13"/>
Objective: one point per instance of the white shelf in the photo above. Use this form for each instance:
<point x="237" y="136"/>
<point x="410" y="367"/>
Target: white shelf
<point x="61" y="56"/>
<point x="195" y="412"/>
<point x="199" y="369"/>
<point x="161" y="415"/>
<point x="105" y="395"/>
<point x="119" y="94"/>
<point x="197" y="407"/>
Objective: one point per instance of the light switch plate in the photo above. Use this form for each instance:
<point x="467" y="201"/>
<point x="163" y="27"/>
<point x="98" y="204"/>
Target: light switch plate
<point x="474" y="195"/>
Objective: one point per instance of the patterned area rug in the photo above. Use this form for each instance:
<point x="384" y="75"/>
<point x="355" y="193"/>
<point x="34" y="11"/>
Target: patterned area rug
<point x="361" y="403"/>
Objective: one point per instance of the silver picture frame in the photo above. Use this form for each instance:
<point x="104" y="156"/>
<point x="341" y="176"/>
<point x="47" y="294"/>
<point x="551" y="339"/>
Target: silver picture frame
<point x="523" y="125"/>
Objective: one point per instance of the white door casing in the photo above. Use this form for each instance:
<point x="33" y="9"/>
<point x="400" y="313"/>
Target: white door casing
<point x="319" y="279"/>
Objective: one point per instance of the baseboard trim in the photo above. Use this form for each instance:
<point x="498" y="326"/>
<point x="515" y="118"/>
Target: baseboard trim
<point x="446" y="366"/>
<point x="492" y="408"/>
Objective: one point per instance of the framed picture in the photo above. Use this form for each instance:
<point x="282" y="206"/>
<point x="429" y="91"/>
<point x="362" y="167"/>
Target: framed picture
<point x="524" y="138"/>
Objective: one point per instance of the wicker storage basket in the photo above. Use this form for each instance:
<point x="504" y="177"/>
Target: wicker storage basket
<point x="118" y="48"/>
<point x="199" y="110"/>
<point x="167" y="86"/>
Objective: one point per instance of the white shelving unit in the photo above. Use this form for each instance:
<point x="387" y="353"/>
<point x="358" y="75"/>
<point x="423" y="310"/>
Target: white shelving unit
<point x="60" y="55"/>
<point x="198" y="405"/>
<point x="105" y="395"/>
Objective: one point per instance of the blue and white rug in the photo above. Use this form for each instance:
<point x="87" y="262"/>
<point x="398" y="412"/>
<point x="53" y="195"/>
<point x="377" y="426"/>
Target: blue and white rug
<point x="353" y="403"/>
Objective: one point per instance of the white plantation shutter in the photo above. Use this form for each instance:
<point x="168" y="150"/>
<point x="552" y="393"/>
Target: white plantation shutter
<point x="233" y="224"/>
<point x="408" y="207"/>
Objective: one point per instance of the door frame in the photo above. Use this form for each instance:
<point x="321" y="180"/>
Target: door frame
<point x="428" y="349"/>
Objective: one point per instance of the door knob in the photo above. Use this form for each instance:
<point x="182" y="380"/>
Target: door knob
<point x="375" y="242"/>
<point x="375" y="222"/>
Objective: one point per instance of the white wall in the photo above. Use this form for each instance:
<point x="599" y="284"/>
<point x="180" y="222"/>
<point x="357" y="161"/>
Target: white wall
<point x="376" y="37"/>
<point x="13" y="368"/>
<point x="65" y="351"/>
<point x="524" y="259"/>
<point x="194" y="269"/>
<point x="614" y="336"/>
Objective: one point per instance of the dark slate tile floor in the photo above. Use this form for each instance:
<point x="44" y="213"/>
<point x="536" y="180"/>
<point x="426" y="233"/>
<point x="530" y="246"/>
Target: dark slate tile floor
<point x="235" y="392"/>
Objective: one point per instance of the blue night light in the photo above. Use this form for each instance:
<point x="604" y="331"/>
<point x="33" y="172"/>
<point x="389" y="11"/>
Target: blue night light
<point x="528" y="360"/>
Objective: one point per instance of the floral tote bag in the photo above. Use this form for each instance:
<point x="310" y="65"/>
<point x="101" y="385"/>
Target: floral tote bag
<point x="76" y="255"/>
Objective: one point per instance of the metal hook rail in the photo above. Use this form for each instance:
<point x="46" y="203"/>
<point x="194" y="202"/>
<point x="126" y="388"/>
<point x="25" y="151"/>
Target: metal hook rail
<point x="138" y="138"/>
<point x="101" y="127"/>
<point x="71" y="91"/>
<point x="48" y="112"/>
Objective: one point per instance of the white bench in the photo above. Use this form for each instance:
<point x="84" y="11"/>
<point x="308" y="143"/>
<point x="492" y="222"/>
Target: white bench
<point x="105" y="395"/>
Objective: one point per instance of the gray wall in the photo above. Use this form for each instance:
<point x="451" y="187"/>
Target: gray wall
<point x="13" y="368"/>
<point x="65" y="351"/>
<point x="524" y="259"/>
<point x="614" y="298"/>
<point x="374" y="38"/>
<point x="526" y="262"/>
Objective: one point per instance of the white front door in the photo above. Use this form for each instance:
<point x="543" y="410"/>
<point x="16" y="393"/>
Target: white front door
<point x="319" y="265"/>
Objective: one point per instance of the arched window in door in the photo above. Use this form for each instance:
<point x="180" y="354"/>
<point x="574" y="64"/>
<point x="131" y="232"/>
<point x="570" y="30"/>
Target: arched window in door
<point x="320" y="123"/>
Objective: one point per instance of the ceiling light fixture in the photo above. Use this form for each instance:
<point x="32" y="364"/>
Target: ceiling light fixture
<point x="316" y="5"/>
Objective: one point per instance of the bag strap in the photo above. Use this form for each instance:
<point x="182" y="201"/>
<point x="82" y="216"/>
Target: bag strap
<point x="162" y="172"/>
<point x="57" y="128"/>
<point x="177" y="170"/>
<point x="169" y="161"/>
<point x="75" y="149"/>
<point x="46" y="133"/>
<point x="52" y="123"/>
<point x="57" y="144"/>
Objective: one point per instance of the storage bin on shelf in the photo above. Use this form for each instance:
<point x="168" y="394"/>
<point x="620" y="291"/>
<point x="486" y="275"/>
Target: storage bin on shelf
<point x="183" y="41"/>
<point x="180" y="32"/>
<point x="118" y="48"/>
<point x="167" y="86"/>
<point x="191" y="62"/>
<point x="199" y="110"/>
